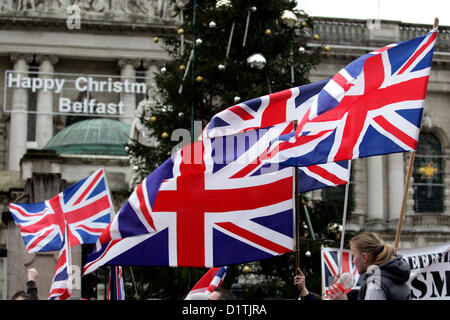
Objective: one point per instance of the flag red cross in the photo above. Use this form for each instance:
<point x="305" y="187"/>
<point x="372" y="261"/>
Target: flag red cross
<point x="73" y="215"/>
<point x="191" y="201"/>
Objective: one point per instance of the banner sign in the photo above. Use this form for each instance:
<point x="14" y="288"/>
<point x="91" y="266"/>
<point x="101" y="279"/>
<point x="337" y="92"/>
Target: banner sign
<point x="76" y="94"/>
<point x="430" y="270"/>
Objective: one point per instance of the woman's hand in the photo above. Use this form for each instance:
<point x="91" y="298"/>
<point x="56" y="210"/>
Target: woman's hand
<point x="336" y="293"/>
<point x="300" y="283"/>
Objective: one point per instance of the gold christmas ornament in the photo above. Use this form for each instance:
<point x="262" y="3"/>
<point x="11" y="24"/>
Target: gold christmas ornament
<point x="164" y="135"/>
<point x="180" y="31"/>
<point x="326" y="48"/>
<point x="316" y="37"/>
<point x="153" y="119"/>
<point x="155" y="39"/>
<point x="182" y="67"/>
<point x="199" y="79"/>
<point x="268" y="32"/>
<point x="304" y="24"/>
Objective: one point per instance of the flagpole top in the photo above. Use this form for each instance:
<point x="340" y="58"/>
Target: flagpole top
<point x="436" y="22"/>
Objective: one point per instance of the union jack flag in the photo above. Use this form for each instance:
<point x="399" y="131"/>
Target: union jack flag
<point x="116" y="290"/>
<point x="372" y="106"/>
<point x="330" y="267"/>
<point x="60" y="289"/>
<point x="213" y="212"/>
<point x="206" y="285"/>
<point x="85" y="206"/>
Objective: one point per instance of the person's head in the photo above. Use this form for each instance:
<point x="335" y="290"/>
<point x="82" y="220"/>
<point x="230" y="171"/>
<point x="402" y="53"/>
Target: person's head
<point x="222" y="294"/>
<point x="368" y="248"/>
<point x="21" y="295"/>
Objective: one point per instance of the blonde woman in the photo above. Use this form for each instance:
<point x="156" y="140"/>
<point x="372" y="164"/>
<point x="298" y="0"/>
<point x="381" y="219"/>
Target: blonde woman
<point x="384" y="273"/>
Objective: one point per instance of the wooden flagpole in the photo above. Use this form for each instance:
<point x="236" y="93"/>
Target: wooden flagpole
<point x="297" y="214"/>
<point x="344" y="216"/>
<point x="405" y="190"/>
<point x="405" y="195"/>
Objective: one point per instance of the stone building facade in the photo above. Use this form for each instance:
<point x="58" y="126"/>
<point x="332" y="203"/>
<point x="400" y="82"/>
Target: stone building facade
<point x="106" y="43"/>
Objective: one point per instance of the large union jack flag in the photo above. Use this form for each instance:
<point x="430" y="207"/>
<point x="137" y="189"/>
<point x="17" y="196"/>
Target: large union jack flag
<point x="372" y="106"/>
<point x="330" y="267"/>
<point x="212" y="212"/>
<point x="85" y="207"/>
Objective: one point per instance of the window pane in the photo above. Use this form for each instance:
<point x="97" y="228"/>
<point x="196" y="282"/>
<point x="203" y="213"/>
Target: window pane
<point x="428" y="175"/>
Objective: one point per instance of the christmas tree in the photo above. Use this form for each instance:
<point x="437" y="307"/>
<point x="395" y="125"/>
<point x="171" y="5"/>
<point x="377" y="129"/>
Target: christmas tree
<point x="224" y="52"/>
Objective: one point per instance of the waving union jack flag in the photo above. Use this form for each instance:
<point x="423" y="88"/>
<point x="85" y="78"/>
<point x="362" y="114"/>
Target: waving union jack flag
<point x="60" y="289"/>
<point x="330" y="267"/>
<point x="372" y="106"/>
<point x="206" y="285"/>
<point x="85" y="206"/>
<point x="212" y="212"/>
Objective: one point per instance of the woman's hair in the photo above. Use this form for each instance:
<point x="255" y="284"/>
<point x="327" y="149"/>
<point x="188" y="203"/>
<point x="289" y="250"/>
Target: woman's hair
<point x="372" y="244"/>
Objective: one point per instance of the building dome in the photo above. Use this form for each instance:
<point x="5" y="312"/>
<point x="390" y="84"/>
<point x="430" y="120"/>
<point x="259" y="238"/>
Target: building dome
<point x="95" y="136"/>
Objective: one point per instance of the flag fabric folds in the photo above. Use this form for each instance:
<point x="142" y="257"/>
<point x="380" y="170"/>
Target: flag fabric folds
<point x="263" y="112"/>
<point x="206" y="285"/>
<point x="85" y="206"/>
<point x="116" y="289"/>
<point x="217" y="209"/>
<point x="373" y="106"/>
<point x="280" y="108"/>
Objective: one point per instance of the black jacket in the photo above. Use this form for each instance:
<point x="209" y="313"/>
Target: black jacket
<point x="394" y="275"/>
<point x="32" y="289"/>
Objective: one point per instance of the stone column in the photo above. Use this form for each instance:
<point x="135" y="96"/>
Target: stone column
<point x="152" y="67"/>
<point x="396" y="184"/>
<point x="128" y="73"/>
<point x="44" y="117"/>
<point x="375" y="189"/>
<point x="19" y="118"/>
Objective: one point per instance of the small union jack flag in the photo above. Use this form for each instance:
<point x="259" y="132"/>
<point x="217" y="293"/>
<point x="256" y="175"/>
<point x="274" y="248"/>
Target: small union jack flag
<point x="116" y="289"/>
<point x="330" y="267"/>
<point x="86" y="207"/>
<point x="206" y="285"/>
<point x="60" y="289"/>
<point x="372" y="106"/>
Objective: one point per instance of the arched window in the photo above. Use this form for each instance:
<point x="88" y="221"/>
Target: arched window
<point x="428" y="175"/>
